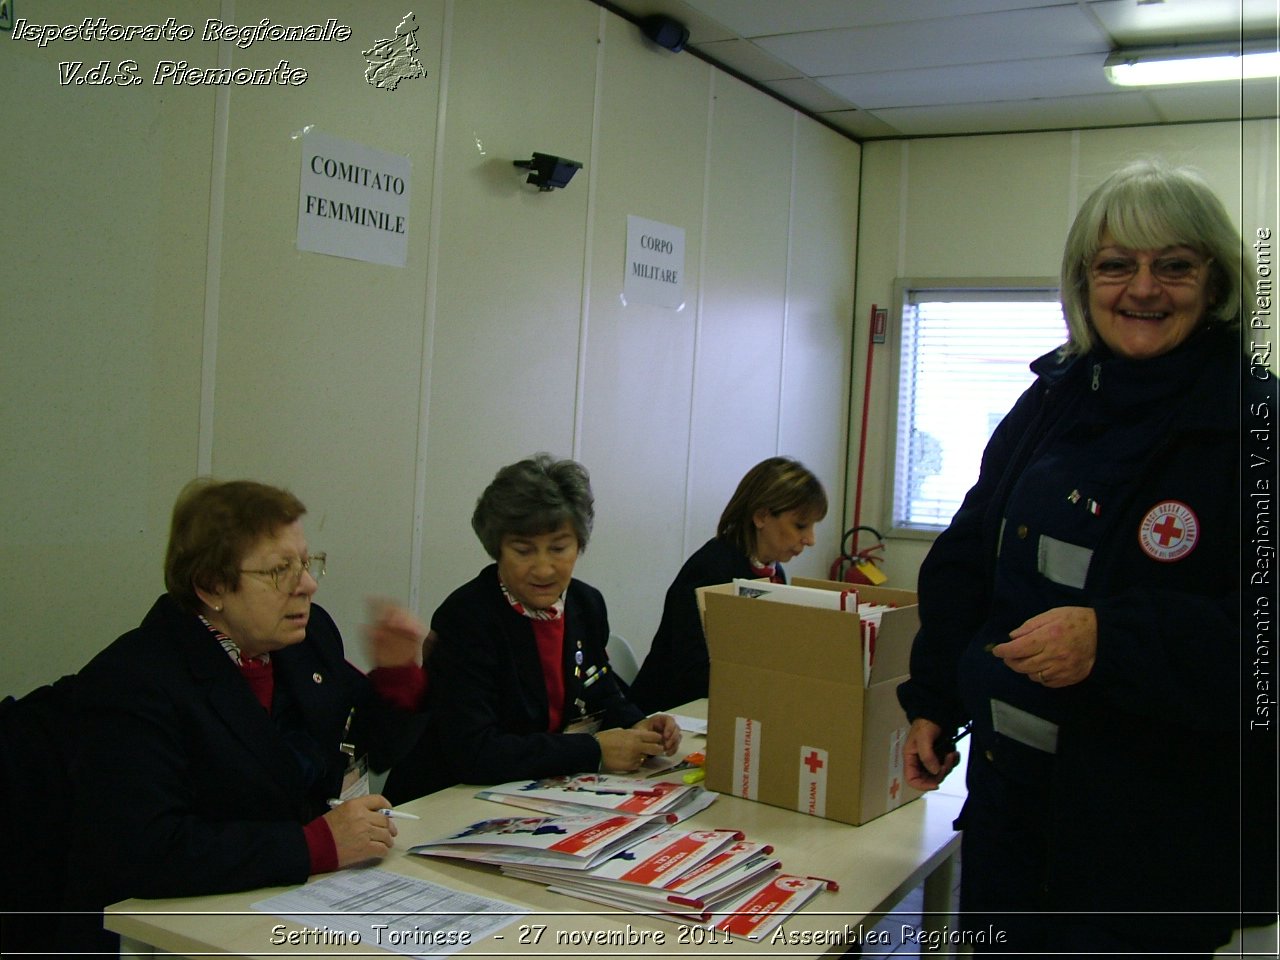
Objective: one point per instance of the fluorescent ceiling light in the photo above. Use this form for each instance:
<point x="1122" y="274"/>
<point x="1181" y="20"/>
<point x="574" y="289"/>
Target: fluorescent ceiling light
<point x="1198" y="63"/>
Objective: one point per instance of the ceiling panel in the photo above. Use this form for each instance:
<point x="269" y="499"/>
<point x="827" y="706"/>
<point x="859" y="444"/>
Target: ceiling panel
<point x="809" y="94"/>
<point x="761" y="18"/>
<point x="984" y="38"/>
<point x="971" y="83"/>
<point x="1172" y="21"/>
<point x="1123" y="109"/>
<point x="860" y="124"/>
<point x="877" y="68"/>
<point x="749" y="60"/>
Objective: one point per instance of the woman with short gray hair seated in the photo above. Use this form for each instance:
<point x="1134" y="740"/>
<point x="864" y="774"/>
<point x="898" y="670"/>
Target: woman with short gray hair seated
<point x="521" y="686"/>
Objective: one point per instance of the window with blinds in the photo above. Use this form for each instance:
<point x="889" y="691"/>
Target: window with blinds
<point x="963" y="355"/>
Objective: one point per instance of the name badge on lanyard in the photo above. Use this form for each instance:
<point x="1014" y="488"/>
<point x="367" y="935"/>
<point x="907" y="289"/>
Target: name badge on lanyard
<point x="355" y="778"/>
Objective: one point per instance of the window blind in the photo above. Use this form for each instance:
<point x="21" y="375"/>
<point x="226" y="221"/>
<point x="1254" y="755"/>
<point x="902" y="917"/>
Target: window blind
<point x="963" y="363"/>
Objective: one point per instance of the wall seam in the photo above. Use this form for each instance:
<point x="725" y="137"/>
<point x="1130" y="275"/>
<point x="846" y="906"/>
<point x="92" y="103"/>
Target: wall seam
<point x="429" y="316"/>
<point x="786" y="289"/>
<point x="213" y="257"/>
<point x="1073" y="179"/>
<point x="685" y="546"/>
<point x="584" y="307"/>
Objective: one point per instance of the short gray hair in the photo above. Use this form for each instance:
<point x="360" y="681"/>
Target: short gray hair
<point x="535" y="496"/>
<point x="1148" y="204"/>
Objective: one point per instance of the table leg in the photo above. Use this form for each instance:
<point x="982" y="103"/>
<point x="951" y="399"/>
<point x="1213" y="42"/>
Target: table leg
<point x="938" y="887"/>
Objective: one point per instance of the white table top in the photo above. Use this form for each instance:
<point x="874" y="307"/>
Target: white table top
<point x="875" y="865"/>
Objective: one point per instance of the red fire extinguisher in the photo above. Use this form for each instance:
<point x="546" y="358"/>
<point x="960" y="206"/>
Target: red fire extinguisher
<point x="859" y="566"/>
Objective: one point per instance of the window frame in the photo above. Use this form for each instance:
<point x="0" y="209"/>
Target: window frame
<point x="902" y="287"/>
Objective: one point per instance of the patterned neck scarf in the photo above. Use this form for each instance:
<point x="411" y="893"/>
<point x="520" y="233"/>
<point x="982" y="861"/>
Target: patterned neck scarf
<point x="232" y="648"/>
<point x="553" y="612"/>
<point x="257" y="671"/>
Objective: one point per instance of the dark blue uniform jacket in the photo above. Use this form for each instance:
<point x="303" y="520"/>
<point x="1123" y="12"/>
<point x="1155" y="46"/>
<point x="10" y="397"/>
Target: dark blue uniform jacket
<point x="1116" y="485"/>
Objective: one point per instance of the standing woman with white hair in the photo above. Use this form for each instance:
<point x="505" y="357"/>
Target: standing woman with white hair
<point x="1082" y="609"/>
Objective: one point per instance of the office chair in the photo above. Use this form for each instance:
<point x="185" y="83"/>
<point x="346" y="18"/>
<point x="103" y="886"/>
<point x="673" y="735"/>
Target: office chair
<point x="622" y="659"/>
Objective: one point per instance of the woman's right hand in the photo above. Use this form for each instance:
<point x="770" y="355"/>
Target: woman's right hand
<point x="359" y="831"/>
<point x="923" y="768"/>
<point x="622" y="751"/>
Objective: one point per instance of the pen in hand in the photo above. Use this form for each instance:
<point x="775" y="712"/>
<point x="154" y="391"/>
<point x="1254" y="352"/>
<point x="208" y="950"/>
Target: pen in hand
<point x="385" y="811"/>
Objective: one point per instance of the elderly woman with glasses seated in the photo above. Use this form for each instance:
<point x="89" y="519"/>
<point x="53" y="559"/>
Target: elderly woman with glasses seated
<point x="224" y="740"/>
<point x="1082" y="610"/>
<point x="521" y="684"/>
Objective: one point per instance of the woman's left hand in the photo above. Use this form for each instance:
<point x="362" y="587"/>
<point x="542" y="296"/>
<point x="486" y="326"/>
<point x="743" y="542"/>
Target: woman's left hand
<point x="396" y="636"/>
<point x="1056" y="648"/>
<point x="666" y="726"/>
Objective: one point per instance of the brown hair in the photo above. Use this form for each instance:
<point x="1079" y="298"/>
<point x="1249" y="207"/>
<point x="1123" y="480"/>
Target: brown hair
<point x="215" y="524"/>
<point x="779" y="485"/>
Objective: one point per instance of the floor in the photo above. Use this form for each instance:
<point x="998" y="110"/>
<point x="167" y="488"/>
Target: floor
<point x="908" y="913"/>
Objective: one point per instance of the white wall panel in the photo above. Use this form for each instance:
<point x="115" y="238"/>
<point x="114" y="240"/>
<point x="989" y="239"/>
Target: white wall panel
<point x="319" y="357"/>
<point x="737" y="378"/>
<point x="819" y="324"/>
<point x="102" y="242"/>
<point x="635" y="416"/>
<point x="504" y="368"/>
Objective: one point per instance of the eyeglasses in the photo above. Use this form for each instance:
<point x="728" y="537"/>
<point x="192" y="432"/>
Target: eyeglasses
<point x="1171" y="270"/>
<point x="288" y="575"/>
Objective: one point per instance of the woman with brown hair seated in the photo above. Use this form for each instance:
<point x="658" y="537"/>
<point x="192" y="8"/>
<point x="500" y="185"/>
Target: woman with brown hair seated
<point x="214" y="735"/>
<point x="769" y="519"/>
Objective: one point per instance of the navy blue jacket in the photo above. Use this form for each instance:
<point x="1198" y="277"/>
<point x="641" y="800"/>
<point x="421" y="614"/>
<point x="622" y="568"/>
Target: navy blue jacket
<point x="487" y="713"/>
<point x="185" y="785"/>
<point x="677" y="668"/>
<point x="1146" y="778"/>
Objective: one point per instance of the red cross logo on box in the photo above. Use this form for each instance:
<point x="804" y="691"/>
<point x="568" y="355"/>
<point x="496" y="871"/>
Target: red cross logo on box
<point x="1169" y="531"/>
<point x="813" y="762"/>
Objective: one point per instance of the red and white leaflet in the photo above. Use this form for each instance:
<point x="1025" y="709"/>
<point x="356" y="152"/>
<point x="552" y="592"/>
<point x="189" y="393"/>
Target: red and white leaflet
<point x="601" y="791"/>
<point x="649" y="875"/>
<point x="663" y="856"/>
<point x="730" y="858"/>
<point x="756" y="913"/>
<point x="649" y="863"/>
<point x="576" y="842"/>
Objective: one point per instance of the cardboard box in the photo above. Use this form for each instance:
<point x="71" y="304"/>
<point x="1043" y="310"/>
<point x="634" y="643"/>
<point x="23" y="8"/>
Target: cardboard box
<point x="790" y="721"/>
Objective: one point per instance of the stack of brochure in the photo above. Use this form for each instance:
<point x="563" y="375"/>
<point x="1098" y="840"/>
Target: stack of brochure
<point x="601" y="791"/>
<point x="682" y="873"/>
<point x="573" y="842"/>
<point x="755" y="914"/>
<point x="716" y="878"/>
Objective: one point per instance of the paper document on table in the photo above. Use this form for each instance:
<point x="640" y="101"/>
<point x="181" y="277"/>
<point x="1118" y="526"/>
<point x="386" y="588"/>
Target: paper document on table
<point x="690" y="724"/>
<point x="392" y="911"/>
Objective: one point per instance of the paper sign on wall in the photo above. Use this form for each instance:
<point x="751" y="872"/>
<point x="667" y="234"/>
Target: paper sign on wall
<point x="353" y="201"/>
<point x="655" y="264"/>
